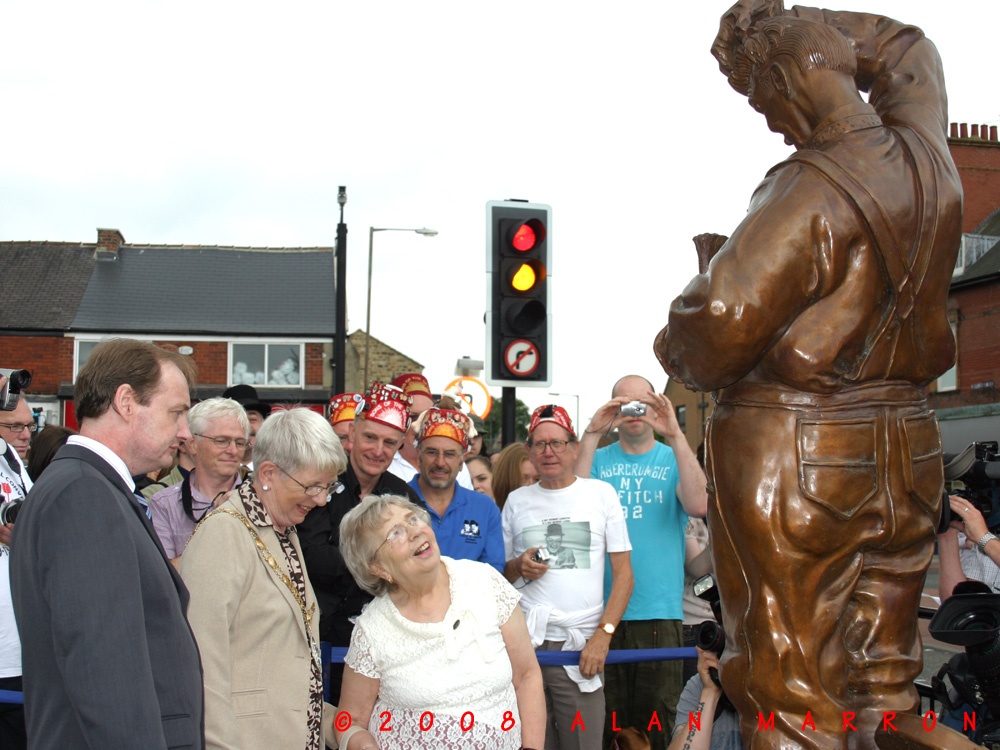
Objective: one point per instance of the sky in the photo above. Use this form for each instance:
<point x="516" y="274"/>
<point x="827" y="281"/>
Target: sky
<point x="233" y="123"/>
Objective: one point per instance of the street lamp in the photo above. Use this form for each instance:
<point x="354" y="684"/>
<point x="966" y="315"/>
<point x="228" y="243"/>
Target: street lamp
<point x="577" y="422"/>
<point x="368" y="314"/>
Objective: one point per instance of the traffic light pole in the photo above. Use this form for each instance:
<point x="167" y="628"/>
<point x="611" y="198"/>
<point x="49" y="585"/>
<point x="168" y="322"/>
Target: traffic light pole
<point x="508" y="421"/>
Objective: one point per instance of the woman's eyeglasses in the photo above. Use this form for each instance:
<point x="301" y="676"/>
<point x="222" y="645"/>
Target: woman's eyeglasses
<point x="315" y="489"/>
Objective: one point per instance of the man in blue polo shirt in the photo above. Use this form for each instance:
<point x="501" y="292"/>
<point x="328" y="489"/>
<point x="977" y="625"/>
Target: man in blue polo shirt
<point x="466" y="523"/>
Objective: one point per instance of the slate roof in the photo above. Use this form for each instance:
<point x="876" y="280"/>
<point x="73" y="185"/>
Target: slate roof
<point x="212" y="290"/>
<point x="59" y="286"/>
<point x="991" y="225"/>
<point x="42" y="283"/>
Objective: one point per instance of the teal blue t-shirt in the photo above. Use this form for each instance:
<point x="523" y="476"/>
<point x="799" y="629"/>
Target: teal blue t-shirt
<point x="647" y="490"/>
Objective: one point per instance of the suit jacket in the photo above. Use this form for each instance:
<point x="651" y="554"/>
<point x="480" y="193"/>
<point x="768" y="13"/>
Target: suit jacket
<point x="109" y="659"/>
<point x="252" y="636"/>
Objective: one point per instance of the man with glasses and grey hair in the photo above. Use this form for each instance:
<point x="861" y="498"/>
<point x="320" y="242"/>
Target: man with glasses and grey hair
<point x="220" y="431"/>
<point x="565" y="605"/>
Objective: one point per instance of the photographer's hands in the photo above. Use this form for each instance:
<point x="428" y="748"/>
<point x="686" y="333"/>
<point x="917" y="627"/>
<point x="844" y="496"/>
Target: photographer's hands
<point x="972" y="522"/>
<point x="708" y="660"/>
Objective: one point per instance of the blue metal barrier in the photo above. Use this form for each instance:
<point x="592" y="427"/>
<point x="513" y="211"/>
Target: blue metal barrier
<point x="336" y="654"/>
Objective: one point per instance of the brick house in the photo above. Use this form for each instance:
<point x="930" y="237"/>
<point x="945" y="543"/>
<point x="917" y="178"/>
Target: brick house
<point x="264" y="316"/>
<point x="966" y="398"/>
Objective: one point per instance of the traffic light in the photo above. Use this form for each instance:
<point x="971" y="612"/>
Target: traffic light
<point x="518" y="273"/>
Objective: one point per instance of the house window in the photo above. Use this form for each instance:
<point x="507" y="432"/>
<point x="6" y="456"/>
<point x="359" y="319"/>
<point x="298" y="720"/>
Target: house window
<point x="83" y="349"/>
<point x="949" y="380"/>
<point x="682" y="418"/>
<point x="273" y="364"/>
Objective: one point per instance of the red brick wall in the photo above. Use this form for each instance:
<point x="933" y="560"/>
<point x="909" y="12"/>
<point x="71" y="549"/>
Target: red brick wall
<point x="314" y="364"/>
<point x="210" y="356"/>
<point x="978" y="347"/>
<point x="978" y="165"/>
<point x="48" y="358"/>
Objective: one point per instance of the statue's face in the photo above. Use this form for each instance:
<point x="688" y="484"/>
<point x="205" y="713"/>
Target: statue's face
<point x="780" y="108"/>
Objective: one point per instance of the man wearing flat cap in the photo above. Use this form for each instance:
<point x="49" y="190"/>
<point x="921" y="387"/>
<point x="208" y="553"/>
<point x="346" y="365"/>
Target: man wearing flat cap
<point x="380" y="422"/>
<point x="465" y="522"/>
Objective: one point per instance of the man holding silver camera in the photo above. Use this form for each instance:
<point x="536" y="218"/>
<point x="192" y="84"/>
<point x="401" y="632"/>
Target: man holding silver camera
<point x="658" y="487"/>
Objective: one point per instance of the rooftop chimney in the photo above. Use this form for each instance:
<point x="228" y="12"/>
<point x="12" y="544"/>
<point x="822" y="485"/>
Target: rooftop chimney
<point x="109" y="241"/>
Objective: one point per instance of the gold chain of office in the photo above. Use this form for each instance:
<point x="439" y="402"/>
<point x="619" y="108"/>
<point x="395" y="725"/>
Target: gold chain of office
<point x="272" y="563"/>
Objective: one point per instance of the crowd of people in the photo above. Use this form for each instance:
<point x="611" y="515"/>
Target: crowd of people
<point x="190" y="560"/>
<point x="276" y="537"/>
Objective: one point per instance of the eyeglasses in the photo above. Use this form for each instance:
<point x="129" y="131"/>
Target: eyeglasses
<point x="225" y="442"/>
<point x="315" y="489"/>
<point x="17" y="428"/>
<point x="557" y="446"/>
<point x="434" y="453"/>
<point x="401" y="531"/>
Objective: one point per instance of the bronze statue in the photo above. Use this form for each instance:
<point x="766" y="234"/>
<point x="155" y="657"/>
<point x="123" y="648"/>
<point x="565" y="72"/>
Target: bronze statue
<point x="819" y="324"/>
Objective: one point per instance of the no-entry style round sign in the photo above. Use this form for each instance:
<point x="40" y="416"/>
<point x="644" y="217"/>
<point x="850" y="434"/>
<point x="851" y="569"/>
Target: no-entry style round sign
<point x="521" y="357"/>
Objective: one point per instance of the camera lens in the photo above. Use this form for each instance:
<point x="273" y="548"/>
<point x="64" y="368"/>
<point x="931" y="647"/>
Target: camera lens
<point x="20" y="379"/>
<point x="710" y="637"/>
<point x="977" y="620"/>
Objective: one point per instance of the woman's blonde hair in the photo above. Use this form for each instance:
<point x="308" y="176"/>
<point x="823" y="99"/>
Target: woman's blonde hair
<point x="507" y="471"/>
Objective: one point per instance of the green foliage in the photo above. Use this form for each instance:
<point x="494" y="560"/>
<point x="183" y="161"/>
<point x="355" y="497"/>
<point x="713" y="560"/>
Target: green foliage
<point x="494" y="424"/>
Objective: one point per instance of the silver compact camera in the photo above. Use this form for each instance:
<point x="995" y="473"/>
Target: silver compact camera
<point x="541" y="555"/>
<point x="633" y="409"/>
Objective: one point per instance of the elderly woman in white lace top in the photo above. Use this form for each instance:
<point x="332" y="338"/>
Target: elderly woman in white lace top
<point x="441" y="658"/>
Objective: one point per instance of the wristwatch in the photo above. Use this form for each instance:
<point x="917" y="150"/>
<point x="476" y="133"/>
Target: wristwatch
<point x="608" y="628"/>
<point x="986" y="539"/>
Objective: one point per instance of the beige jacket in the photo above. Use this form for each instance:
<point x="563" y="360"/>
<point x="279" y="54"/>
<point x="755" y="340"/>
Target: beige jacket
<point x="252" y="637"/>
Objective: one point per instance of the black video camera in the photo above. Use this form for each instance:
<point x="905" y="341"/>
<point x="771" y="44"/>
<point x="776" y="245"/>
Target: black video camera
<point x="971" y="620"/>
<point x="16" y="381"/>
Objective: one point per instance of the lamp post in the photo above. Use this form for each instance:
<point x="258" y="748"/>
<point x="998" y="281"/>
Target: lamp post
<point x="368" y="314"/>
<point x="340" y="335"/>
<point x="577" y="421"/>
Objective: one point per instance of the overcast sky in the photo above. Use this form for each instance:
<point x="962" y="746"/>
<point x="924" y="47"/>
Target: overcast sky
<point x="233" y="123"/>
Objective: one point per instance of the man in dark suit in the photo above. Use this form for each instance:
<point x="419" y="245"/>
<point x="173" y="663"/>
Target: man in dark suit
<point x="109" y="659"/>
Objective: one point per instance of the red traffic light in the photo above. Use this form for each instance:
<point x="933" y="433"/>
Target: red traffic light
<point x="525" y="236"/>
